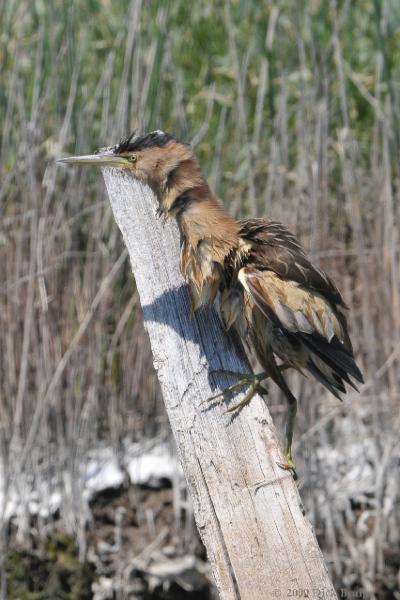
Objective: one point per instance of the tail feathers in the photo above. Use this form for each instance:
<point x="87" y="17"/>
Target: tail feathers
<point x="334" y="384"/>
<point x="335" y="356"/>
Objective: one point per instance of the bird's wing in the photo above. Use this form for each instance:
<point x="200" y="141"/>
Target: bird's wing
<point x="273" y="247"/>
<point x="305" y="315"/>
<point x="290" y="305"/>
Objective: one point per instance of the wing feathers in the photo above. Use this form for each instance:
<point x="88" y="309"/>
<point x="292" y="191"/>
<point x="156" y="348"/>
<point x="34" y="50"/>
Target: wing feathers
<point x="308" y="318"/>
<point x="275" y="248"/>
<point x="297" y="309"/>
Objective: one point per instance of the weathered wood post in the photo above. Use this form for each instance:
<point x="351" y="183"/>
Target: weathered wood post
<point x="247" y="508"/>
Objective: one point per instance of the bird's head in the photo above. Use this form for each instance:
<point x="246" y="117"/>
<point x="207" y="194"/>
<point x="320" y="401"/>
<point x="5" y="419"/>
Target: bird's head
<point x="157" y="159"/>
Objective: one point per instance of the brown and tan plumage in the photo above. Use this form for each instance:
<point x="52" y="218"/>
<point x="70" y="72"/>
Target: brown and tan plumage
<point x="287" y="311"/>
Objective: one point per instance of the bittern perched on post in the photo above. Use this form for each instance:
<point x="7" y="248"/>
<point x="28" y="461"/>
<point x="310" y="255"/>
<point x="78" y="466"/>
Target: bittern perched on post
<point x="282" y="306"/>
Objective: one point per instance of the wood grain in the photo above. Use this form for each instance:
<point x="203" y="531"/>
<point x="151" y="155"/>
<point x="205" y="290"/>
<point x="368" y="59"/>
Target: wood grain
<point x="247" y="509"/>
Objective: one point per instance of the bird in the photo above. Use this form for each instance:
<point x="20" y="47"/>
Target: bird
<point x="288" y="313"/>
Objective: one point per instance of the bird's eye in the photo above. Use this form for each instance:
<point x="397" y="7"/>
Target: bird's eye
<point x="132" y="158"/>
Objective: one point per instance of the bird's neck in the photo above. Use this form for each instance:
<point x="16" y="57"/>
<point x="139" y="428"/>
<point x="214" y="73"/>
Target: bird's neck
<point x="205" y="220"/>
<point x="199" y="215"/>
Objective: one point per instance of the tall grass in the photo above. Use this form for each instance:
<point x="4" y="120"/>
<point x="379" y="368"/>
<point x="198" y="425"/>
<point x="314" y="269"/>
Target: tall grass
<point x="293" y="108"/>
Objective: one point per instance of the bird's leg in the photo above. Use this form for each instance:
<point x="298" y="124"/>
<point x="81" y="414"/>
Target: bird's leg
<point x="291" y="417"/>
<point x="254" y="383"/>
<point x="276" y="375"/>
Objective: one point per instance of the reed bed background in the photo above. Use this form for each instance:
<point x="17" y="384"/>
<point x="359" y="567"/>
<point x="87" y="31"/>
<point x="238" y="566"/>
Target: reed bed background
<point x="293" y="109"/>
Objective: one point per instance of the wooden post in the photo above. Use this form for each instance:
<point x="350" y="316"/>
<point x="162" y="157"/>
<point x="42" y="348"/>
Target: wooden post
<point x="247" y="509"/>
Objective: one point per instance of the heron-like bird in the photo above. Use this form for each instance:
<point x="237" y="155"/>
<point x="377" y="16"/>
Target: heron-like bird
<point x="282" y="306"/>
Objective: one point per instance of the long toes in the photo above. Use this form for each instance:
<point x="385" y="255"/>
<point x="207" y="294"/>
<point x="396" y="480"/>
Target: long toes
<point x="244" y="380"/>
<point x="239" y="405"/>
<point x="228" y="373"/>
<point x="227" y="391"/>
<point x="232" y="409"/>
<point x="215" y="397"/>
<point x="289" y="466"/>
<point x="211" y="398"/>
<point x="246" y="400"/>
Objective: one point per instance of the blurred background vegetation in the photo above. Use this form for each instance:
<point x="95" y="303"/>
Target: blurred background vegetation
<point x="293" y="107"/>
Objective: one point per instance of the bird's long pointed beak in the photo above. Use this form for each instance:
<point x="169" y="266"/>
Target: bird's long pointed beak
<point x="102" y="158"/>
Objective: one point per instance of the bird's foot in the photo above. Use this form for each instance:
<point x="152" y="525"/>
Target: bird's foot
<point x="289" y="464"/>
<point x="245" y="379"/>
<point x="255" y="388"/>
